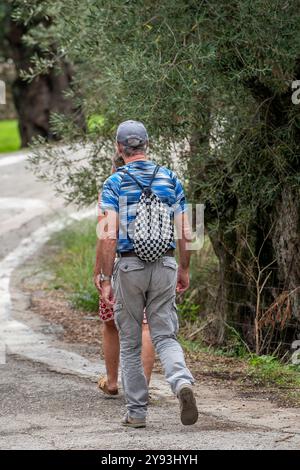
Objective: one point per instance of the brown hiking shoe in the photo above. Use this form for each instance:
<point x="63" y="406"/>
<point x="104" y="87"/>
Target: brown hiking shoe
<point x="133" y="422"/>
<point x="188" y="406"/>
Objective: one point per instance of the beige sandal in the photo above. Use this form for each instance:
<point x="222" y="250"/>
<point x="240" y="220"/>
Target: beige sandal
<point x="102" y="384"/>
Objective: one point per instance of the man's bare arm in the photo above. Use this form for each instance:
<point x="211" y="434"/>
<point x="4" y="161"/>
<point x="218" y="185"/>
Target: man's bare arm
<point x="108" y="233"/>
<point x="102" y="221"/>
<point x="108" y="253"/>
<point x="97" y="266"/>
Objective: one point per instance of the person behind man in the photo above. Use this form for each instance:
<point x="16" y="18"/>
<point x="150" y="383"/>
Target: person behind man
<point x="110" y="337"/>
<point x="139" y="284"/>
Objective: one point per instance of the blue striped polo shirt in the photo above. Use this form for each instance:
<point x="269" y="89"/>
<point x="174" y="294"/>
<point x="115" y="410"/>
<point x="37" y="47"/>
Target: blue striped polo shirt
<point x="121" y="194"/>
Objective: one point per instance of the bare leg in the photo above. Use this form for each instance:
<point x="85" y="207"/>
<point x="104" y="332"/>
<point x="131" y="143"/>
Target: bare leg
<point x="148" y="353"/>
<point x="111" y="351"/>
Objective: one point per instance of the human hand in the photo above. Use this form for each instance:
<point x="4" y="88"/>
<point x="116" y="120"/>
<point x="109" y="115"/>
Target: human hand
<point x="107" y="293"/>
<point x="97" y="282"/>
<point x="183" y="280"/>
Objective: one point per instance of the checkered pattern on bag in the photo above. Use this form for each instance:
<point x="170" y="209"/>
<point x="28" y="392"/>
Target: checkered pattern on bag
<point x="154" y="227"/>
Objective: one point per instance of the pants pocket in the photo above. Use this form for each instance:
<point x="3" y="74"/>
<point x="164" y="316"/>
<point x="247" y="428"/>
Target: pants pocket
<point x="131" y="265"/>
<point x="169" y="262"/>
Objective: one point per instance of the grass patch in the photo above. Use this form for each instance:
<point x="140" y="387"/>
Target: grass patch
<point x="9" y="136"/>
<point x="73" y="264"/>
<point x="261" y="373"/>
<point x="196" y="347"/>
<point x="268" y="370"/>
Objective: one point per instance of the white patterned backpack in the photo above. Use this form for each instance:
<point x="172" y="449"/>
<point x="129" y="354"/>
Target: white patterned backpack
<point x="154" y="225"/>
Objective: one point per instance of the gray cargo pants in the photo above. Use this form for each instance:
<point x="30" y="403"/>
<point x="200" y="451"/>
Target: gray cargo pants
<point x="136" y="285"/>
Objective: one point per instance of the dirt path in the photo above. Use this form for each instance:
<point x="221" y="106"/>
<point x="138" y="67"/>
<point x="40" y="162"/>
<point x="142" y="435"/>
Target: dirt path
<point x="49" y="399"/>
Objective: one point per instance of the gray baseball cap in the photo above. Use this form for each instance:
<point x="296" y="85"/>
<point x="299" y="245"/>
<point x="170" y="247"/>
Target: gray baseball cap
<point x="132" y="134"/>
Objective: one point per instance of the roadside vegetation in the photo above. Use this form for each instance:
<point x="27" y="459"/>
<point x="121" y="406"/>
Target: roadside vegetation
<point x="71" y="264"/>
<point x="9" y="136"/>
<point x="10" y="140"/>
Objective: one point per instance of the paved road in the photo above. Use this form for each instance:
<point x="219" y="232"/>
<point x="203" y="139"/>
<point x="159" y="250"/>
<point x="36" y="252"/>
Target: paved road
<point x="48" y="397"/>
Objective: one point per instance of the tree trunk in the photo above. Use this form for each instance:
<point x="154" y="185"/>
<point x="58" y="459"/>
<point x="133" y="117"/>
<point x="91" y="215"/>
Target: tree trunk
<point x="286" y="243"/>
<point x="36" y="100"/>
<point x="235" y="303"/>
<point x="259" y="292"/>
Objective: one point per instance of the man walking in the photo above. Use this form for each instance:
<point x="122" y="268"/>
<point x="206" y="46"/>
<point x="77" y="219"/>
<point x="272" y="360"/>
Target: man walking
<point x="145" y="274"/>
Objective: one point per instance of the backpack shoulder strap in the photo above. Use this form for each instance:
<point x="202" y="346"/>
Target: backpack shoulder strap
<point x="137" y="181"/>
<point x="154" y="174"/>
<point x="134" y="178"/>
